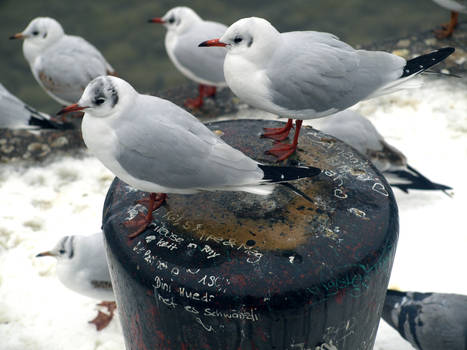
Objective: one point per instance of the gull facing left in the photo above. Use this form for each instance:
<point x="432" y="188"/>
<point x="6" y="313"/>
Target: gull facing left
<point x="185" y="30"/>
<point x="62" y="64"/>
<point x="82" y="267"/>
<point x="307" y="74"/>
<point x="157" y="147"/>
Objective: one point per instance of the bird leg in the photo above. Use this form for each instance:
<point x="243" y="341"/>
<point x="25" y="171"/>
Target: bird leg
<point x="448" y="28"/>
<point x="210" y="91"/>
<point x="197" y="102"/>
<point x="103" y="319"/>
<point x="142" y="221"/>
<point x="278" y="134"/>
<point x="283" y="150"/>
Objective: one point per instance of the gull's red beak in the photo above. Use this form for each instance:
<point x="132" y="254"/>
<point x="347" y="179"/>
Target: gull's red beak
<point x="17" y="36"/>
<point x="44" y="254"/>
<point x="212" y="42"/>
<point x="71" y="108"/>
<point x="156" y="20"/>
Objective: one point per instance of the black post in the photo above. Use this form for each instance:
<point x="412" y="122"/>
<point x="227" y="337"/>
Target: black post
<point x="300" y="269"/>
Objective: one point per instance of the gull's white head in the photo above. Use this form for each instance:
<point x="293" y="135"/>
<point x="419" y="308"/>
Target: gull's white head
<point x="64" y="250"/>
<point x="104" y="96"/>
<point x="40" y="33"/>
<point x="178" y="20"/>
<point x="253" y="38"/>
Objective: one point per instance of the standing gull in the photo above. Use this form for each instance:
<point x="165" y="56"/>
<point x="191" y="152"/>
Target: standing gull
<point x="62" y="64"/>
<point x="307" y="75"/>
<point x="158" y="147"/>
<point x="15" y="114"/>
<point x="185" y="30"/>
<point x="455" y="6"/>
<point x="357" y="131"/>
<point x="82" y="267"/>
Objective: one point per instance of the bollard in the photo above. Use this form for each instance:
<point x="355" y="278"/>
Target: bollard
<point x="305" y="268"/>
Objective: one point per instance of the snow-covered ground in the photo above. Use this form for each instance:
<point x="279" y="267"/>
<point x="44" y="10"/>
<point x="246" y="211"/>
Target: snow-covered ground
<point x="39" y="204"/>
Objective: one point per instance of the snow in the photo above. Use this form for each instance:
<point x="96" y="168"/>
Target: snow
<point x="41" y="203"/>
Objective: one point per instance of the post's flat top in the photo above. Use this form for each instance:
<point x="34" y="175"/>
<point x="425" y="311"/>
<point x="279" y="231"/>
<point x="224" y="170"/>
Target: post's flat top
<point x="345" y="221"/>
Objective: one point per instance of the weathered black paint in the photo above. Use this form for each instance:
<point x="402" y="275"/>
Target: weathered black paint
<point x="220" y="270"/>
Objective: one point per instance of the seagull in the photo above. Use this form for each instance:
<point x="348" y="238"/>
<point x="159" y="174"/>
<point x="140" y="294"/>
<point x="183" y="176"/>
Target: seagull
<point x="82" y="267"/>
<point x="357" y="131"/>
<point x="307" y="75"/>
<point x="185" y="30"/>
<point x="15" y="114"/>
<point x="455" y="6"/>
<point x="429" y="321"/>
<point x="62" y="64"/>
<point x="157" y="147"/>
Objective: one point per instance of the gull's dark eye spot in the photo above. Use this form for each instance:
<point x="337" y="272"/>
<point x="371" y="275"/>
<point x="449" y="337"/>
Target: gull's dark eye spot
<point x="62" y="251"/>
<point x="238" y="39"/>
<point x="100" y="100"/>
<point x="36" y="32"/>
<point x="171" y="20"/>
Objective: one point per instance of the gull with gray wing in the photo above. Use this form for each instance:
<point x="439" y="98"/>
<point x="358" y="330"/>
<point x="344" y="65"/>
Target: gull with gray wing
<point x="158" y="147"/>
<point x="185" y="30"/>
<point x="360" y="133"/>
<point x="62" y="64"/>
<point x="307" y="74"/>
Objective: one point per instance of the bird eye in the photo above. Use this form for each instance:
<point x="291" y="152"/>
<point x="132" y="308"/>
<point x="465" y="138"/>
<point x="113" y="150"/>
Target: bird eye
<point x="62" y="251"/>
<point x="171" y="20"/>
<point x="237" y="40"/>
<point x="35" y="32"/>
<point x="99" y="101"/>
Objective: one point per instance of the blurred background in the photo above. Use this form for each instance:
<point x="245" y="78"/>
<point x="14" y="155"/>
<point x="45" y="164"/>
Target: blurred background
<point x="135" y="48"/>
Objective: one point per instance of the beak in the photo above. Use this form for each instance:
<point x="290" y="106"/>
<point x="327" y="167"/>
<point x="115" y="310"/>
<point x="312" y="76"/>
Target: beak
<point x="212" y="42"/>
<point x="44" y="254"/>
<point x="156" y="20"/>
<point x="17" y="36"/>
<point x="71" y="108"/>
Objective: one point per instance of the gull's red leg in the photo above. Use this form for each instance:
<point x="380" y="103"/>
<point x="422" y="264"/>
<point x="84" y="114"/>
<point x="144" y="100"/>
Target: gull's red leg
<point x="283" y="151"/>
<point x="142" y="221"/>
<point x="210" y="91"/>
<point x="103" y="319"/>
<point x="278" y="134"/>
<point x="448" y="28"/>
<point x="197" y="102"/>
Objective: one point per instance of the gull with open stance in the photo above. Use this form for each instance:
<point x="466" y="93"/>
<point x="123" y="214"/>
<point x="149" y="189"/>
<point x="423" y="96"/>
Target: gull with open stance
<point x="82" y="267"/>
<point x="307" y="75"/>
<point x="357" y="131"/>
<point x="185" y="30"/>
<point x="62" y="64"/>
<point x="455" y="6"/>
<point x="428" y="321"/>
<point x="157" y="147"/>
<point x="15" y="114"/>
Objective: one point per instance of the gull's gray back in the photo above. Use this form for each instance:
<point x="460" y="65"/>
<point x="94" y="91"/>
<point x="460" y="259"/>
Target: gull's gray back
<point x="317" y="72"/>
<point x="207" y="64"/>
<point x="68" y="66"/>
<point x="163" y="144"/>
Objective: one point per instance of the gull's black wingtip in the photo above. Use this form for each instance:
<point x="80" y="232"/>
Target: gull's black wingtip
<point x="423" y="62"/>
<point x="287" y="173"/>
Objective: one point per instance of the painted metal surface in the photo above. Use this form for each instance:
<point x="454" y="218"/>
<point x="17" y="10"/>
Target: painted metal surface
<point x="299" y="269"/>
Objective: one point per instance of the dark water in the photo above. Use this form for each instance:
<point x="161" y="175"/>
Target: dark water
<point x="136" y="50"/>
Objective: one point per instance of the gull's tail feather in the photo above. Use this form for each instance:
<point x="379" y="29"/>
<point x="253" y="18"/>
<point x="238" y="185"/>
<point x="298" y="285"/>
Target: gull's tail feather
<point x="412" y="68"/>
<point x="416" y="181"/>
<point x="286" y="173"/>
<point x="422" y="63"/>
